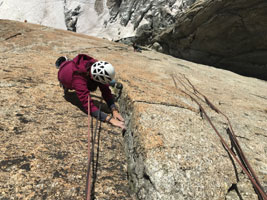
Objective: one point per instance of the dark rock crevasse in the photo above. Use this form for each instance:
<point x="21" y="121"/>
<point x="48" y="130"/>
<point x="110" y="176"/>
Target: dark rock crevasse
<point x="229" y="35"/>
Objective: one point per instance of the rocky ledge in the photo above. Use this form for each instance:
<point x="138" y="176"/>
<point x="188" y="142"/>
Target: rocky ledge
<point x="170" y="149"/>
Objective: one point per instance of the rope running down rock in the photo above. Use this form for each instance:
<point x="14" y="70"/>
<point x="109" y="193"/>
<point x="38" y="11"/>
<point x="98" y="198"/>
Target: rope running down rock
<point x="91" y="137"/>
<point x="242" y="161"/>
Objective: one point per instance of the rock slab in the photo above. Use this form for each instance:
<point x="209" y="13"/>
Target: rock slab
<point x="171" y="150"/>
<point x="43" y="143"/>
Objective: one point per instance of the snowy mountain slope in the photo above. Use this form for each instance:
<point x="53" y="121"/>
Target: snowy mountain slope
<point x="111" y="19"/>
<point x="49" y="13"/>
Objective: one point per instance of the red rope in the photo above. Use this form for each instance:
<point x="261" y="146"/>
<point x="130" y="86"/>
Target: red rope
<point x="246" y="168"/>
<point x="88" y="180"/>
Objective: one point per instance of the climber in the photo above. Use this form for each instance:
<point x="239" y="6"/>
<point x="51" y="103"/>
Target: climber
<point x="84" y="74"/>
<point x="137" y="48"/>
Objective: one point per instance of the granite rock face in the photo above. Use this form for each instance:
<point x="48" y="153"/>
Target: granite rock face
<point x="221" y="33"/>
<point x="43" y="133"/>
<point x="170" y="149"/>
<point x="175" y="154"/>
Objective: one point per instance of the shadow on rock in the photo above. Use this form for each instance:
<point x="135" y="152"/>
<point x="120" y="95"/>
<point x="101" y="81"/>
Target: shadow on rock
<point x="74" y="100"/>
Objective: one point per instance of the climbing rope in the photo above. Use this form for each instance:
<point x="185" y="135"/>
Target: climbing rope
<point x="91" y="137"/>
<point x="88" y="177"/>
<point x="242" y="161"/>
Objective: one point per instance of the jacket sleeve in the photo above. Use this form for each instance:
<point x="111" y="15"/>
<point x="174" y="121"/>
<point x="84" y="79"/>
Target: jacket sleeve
<point x="79" y="84"/>
<point x="107" y="95"/>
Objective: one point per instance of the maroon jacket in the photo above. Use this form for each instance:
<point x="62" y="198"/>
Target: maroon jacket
<point x="74" y="74"/>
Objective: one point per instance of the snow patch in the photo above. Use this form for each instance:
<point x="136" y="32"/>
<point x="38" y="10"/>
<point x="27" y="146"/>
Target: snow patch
<point x="81" y="15"/>
<point x="48" y="13"/>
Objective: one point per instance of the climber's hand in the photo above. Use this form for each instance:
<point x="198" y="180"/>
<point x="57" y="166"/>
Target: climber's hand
<point x="117" y="115"/>
<point x="117" y="123"/>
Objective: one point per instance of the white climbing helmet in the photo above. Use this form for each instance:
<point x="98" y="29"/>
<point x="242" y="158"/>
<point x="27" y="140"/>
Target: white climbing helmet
<point x="102" y="72"/>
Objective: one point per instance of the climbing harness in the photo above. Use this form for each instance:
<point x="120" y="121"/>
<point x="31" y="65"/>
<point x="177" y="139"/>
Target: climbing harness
<point x="242" y="161"/>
